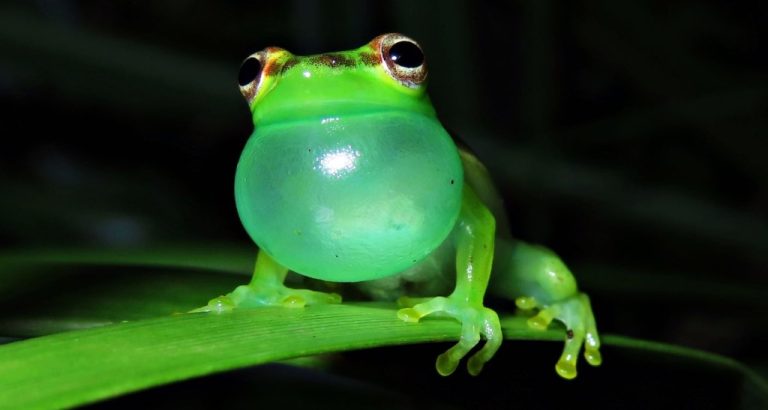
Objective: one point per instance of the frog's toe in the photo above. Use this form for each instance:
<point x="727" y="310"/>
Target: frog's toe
<point x="406" y="301"/>
<point x="219" y="304"/>
<point x="592" y="354"/>
<point x="491" y="329"/>
<point x="249" y="296"/>
<point x="591" y="338"/>
<point x="526" y="303"/>
<point x="543" y="318"/>
<point x="470" y="336"/>
<point x="303" y="297"/>
<point x="418" y="310"/>
<point x="576" y="336"/>
<point x="576" y="314"/>
<point x="475" y="322"/>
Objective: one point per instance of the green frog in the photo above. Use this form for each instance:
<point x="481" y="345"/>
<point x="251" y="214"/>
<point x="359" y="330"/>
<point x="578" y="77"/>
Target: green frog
<point x="349" y="176"/>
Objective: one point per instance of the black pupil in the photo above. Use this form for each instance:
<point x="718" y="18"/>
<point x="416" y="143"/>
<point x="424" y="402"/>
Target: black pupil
<point x="406" y="54"/>
<point x="249" y="71"/>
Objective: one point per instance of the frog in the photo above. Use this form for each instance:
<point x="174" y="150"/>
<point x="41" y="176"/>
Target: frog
<point x="349" y="177"/>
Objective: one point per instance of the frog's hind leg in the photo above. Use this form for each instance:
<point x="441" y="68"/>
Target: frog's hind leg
<point x="549" y="291"/>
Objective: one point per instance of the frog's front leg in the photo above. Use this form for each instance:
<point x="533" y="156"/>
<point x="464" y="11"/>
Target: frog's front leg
<point x="267" y="289"/>
<point x="545" y="286"/>
<point x="474" y="240"/>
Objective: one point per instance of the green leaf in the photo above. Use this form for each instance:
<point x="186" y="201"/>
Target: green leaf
<point x="74" y="368"/>
<point x="78" y="367"/>
<point x="52" y="291"/>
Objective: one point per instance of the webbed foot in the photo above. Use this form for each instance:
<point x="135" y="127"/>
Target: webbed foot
<point x="249" y="296"/>
<point x="576" y="313"/>
<point x="475" y="321"/>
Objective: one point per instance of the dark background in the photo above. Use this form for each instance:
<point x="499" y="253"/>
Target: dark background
<point x="627" y="136"/>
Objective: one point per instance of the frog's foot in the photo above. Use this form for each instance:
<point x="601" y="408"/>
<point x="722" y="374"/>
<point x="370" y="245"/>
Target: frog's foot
<point x="576" y="314"/>
<point x="407" y="301"/>
<point x="249" y="296"/>
<point x="475" y="321"/>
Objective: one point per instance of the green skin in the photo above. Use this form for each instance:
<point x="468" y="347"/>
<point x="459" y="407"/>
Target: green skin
<point x="350" y="177"/>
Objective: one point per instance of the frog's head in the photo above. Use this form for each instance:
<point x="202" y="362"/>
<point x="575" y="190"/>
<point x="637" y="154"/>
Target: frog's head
<point x="348" y="175"/>
<point x="389" y="72"/>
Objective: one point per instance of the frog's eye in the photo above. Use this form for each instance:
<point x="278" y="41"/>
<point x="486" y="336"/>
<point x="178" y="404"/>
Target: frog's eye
<point x="406" y="54"/>
<point x="403" y="59"/>
<point x="251" y="73"/>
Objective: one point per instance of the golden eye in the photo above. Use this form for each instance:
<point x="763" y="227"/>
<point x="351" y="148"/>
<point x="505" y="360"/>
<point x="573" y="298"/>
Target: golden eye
<point x="403" y="59"/>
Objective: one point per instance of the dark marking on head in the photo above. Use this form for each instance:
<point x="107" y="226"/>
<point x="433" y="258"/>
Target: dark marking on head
<point x="452" y="181"/>
<point x="370" y="58"/>
<point x="289" y="64"/>
<point x="322" y="59"/>
<point x="332" y="60"/>
<point x="569" y="333"/>
<point x="343" y="60"/>
<point x="376" y="42"/>
<point x="272" y="68"/>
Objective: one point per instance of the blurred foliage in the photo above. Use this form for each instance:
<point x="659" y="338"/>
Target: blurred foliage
<point x="627" y="136"/>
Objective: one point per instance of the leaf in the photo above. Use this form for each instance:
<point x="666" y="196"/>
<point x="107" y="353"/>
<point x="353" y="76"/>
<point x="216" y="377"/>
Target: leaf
<point x="78" y="367"/>
<point x="74" y="368"/>
<point x="107" y="287"/>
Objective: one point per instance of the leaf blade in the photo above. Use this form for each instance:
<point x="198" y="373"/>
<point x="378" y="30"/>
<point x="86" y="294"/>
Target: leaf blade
<point x="75" y="368"/>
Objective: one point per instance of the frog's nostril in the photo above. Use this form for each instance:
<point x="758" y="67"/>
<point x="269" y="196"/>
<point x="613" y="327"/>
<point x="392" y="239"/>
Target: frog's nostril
<point x="249" y="71"/>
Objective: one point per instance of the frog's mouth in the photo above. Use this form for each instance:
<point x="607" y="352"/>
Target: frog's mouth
<point x="330" y="110"/>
